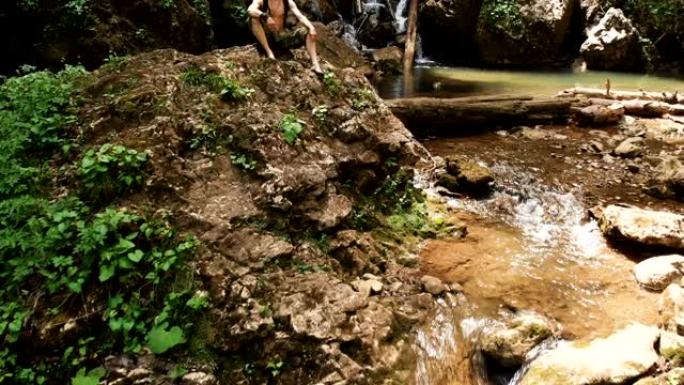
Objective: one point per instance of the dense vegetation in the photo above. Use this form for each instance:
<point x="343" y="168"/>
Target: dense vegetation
<point x="80" y="275"/>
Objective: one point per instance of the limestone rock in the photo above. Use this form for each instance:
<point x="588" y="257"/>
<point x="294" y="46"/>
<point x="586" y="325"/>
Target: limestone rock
<point x="331" y="213"/>
<point x="671" y="309"/>
<point x="615" y="359"/>
<point x="199" y="378"/>
<point x="433" y="285"/>
<point x="629" y="148"/>
<point x="658" y="272"/>
<point x="669" y="179"/>
<point x="466" y="176"/>
<point x="388" y="59"/>
<point x="647" y="227"/>
<point x="612" y="44"/>
<point x="509" y="343"/>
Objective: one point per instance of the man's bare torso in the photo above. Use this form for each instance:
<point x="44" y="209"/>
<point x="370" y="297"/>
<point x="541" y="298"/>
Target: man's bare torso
<point x="277" y="12"/>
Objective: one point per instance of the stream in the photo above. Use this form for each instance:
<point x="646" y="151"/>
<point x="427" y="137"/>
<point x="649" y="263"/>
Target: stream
<point x="530" y="245"/>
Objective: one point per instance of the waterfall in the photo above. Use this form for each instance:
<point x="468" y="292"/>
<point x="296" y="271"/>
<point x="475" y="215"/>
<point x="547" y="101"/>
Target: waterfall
<point x="399" y="16"/>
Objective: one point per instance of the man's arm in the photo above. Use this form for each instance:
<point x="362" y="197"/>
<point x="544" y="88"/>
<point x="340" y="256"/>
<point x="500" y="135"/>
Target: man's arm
<point x="254" y="9"/>
<point x="300" y="16"/>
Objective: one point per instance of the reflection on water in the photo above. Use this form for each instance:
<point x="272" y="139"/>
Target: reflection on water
<point x="455" y="82"/>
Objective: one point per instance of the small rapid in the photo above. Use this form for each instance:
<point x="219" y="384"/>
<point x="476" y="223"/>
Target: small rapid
<point x="530" y="246"/>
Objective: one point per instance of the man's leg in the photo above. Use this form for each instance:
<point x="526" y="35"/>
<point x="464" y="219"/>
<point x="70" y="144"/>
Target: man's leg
<point x="311" y="47"/>
<point x="260" y="34"/>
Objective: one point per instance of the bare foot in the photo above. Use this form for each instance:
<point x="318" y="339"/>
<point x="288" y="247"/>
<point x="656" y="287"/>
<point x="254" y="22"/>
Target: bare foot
<point x="317" y="69"/>
<point x="271" y="55"/>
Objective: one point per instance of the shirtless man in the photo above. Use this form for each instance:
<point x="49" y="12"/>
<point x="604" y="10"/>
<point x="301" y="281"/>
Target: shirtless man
<point x="268" y="21"/>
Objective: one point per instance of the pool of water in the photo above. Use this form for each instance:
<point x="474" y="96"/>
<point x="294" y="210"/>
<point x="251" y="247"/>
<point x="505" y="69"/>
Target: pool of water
<point x="455" y="82"/>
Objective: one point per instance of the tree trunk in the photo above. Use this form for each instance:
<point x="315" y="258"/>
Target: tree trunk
<point x="643" y="108"/>
<point x="411" y="32"/>
<point x="435" y="115"/>
<point x="666" y="97"/>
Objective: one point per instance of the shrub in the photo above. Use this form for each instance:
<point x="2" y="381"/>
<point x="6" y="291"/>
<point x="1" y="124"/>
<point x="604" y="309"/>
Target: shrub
<point x="35" y="112"/>
<point x="332" y="84"/>
<point x="111" y="170"/>
<point x="229" y="89"/>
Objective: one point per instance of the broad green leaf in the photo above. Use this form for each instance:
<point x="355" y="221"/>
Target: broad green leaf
<point x="106" y="272"/>
<point x="91" y="378"/>
<point x="160" y="340"/>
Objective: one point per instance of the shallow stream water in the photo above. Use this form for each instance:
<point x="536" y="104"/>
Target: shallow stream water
<point x="531" y="245"/>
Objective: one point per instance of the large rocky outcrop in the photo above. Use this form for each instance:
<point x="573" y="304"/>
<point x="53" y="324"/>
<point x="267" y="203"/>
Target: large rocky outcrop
<point x="522" y="32"/>
<point x="612" y="360"/>
<point x="612" y="44"/>
<point x="283" y="264"/>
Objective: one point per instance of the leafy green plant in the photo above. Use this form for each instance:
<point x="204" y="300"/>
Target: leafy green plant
<point x="112" y="169"/>
<point x="243" y="161"/>
<point x="162" y="338"/>
<point x="91" y="377"/>
<point x="229" y="89"/>
<point x="362" y="99"/>
<point x="35" y="111"/>
<point x="332" y="84"/>
<point x="275" y="367"/>
<point x="503" y="14"/>
<point x="57" y="253"/>
<point x="291" y="128"/>
<point x="232" y="90"/>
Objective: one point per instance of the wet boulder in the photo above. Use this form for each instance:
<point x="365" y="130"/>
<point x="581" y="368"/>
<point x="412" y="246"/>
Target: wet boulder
<point x="522" y="32"/>
<point x="433" y="285"/>
<point x="629" y="148"/>
<point x="388" y="59"/>
<point x="624" y="355"/>
<point x="646" y="227"/>
<point x="508" y="343"/>
<point x="612" y="44"/>
<point x="658" y="272"/>
<point x="466" y="176"/>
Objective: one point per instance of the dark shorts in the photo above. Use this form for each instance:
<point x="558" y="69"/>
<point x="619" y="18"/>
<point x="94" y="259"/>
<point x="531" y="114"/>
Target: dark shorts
<point x="288" y="38"/>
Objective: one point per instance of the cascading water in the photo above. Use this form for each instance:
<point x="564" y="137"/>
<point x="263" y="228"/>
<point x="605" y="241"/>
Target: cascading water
<point x="530" y="246"/>
<point x="399" y="17"/>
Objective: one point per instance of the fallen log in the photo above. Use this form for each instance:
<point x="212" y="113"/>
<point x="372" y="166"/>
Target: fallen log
<point x="666" y="97"/>
<point x="642" y="108"/>
<point x="429" y="114"/>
